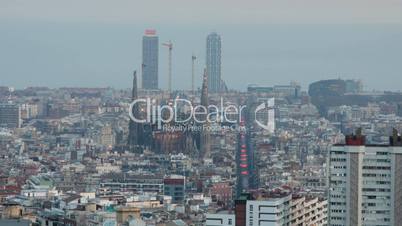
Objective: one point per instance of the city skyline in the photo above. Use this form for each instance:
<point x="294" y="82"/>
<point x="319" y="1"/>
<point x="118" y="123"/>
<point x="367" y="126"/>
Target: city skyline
<point x="200" y="113"/>
<point x="320" y="57"/>
<point x="284" y="41"/>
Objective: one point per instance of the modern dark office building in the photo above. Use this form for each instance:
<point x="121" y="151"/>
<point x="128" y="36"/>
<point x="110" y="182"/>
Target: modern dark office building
<point x="213" y="62"/>
<point x="150" y="54"/>
<point x="175" y="186"/>
<point x="10" y="115"/>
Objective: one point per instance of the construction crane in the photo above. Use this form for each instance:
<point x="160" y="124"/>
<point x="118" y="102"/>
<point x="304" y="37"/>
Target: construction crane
<point x="193" y="58"/>
<point x="169" y="45"/>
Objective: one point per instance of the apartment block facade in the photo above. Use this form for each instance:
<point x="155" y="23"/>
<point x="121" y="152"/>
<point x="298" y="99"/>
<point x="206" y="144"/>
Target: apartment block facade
<point x="365" y="182"/>
<point x="279" y="209"/>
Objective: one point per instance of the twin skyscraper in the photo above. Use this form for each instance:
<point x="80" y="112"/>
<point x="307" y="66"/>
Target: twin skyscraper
<point x="150" y="55"/>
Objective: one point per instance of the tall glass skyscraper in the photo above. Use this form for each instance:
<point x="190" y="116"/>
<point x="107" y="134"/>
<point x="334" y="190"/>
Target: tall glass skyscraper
<point x="213" y="62"/>
<point x="150" y="53"/>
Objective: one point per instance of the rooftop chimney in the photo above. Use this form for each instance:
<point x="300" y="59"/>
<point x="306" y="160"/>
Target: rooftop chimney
<point x="356" y="139"/>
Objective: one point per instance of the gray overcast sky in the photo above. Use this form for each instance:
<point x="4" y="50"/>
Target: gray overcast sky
<point x="205" y="11"/>
<point x="98" y="42"/>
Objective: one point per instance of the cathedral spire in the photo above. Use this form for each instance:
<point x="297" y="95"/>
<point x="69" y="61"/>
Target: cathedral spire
<point x="134" y="93"/>
<point x="205" y="145"/>
<point x="204" y="90"/>
<point x="133" y="127"/>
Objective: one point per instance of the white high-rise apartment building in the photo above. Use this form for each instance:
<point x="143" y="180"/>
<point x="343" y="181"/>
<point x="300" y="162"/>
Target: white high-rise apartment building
<point x="365" y="183"/>
<point x="275" y="210"/>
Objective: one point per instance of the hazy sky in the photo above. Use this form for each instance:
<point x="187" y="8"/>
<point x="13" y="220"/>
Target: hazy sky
<point x="98" y="42"/>
<point x="205" y="11"/>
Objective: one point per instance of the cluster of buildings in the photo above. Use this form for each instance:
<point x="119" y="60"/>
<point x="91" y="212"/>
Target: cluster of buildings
<point x="81" y="160"/>
<point x="79" y="156"/>
<point x="277" y="207"/>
